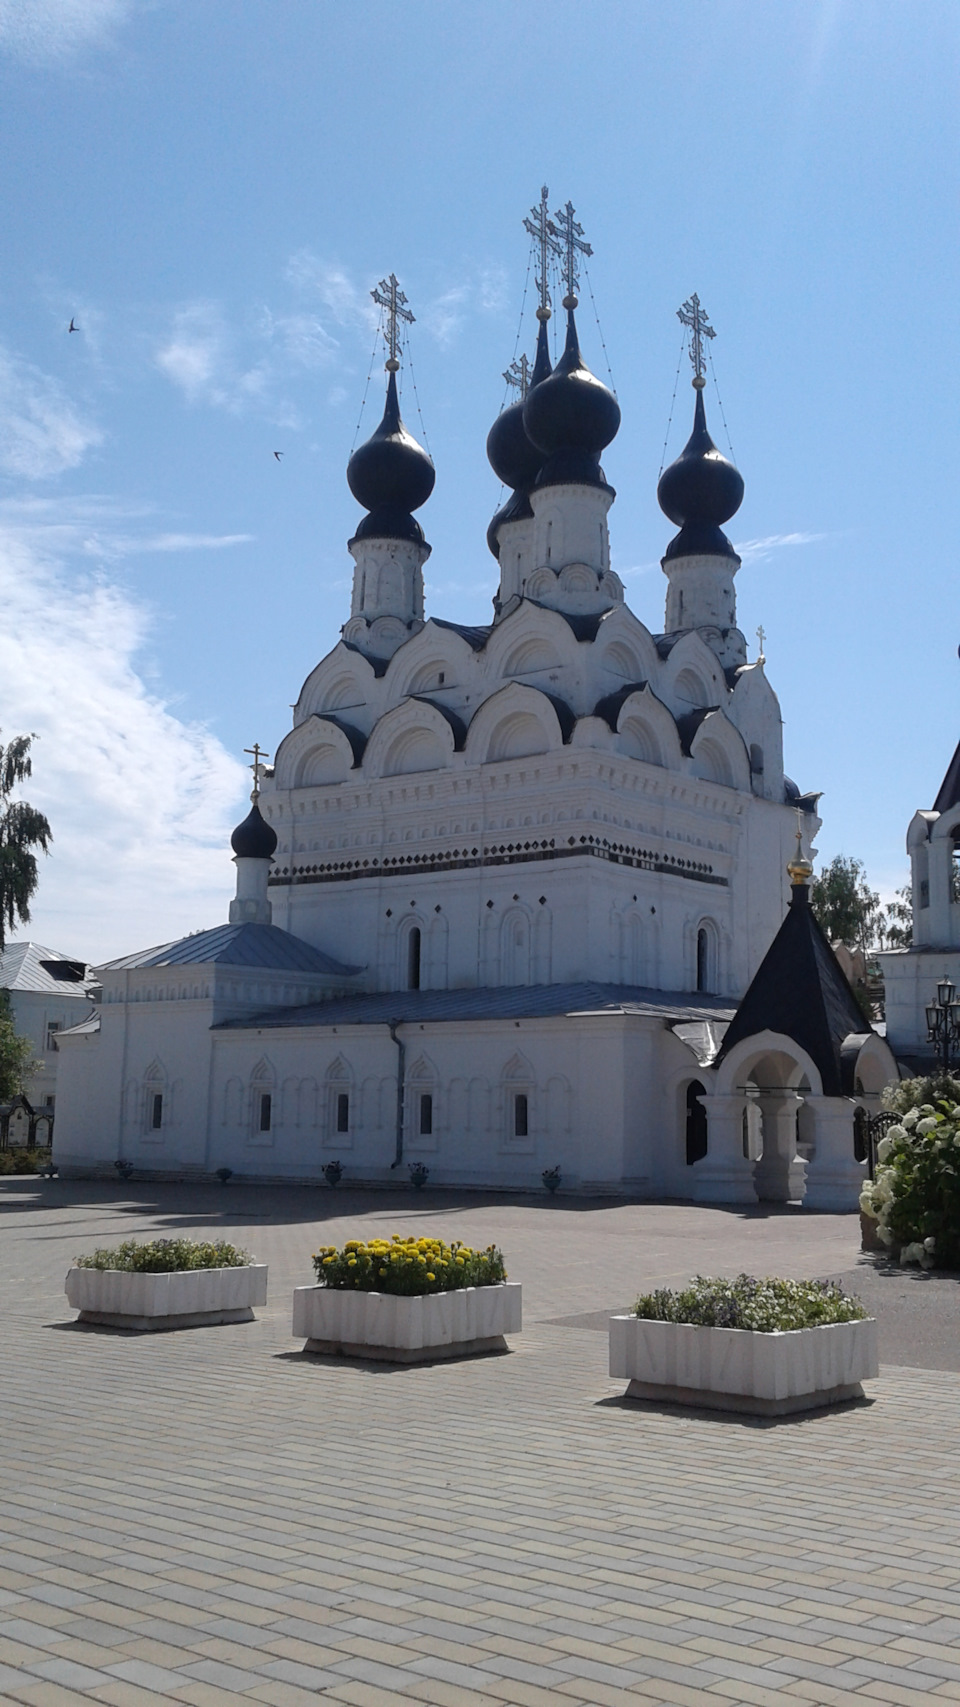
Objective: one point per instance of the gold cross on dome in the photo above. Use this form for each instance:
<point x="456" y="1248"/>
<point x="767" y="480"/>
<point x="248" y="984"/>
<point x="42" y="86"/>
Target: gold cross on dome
<point x="390" y="297"/>
<point x="257" y="754"/>
<point x="694" y="316"/>
<point x="518" y="375"/>
<point x="544" y="234"/>
<point x="570" y="234"/>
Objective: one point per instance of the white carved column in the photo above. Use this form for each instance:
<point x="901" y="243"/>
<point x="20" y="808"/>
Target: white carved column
<point x="779" y="1174"/>
<point x="724" y="1175"/>
<point x="834" y="1176"/>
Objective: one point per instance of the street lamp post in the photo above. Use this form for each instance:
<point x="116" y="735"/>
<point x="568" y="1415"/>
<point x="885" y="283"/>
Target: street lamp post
<point x="943" y="1022"/>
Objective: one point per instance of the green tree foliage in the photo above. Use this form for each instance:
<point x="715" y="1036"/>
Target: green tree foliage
<point x="22" y="829"/>
<point x="844" y="904"/>
<point x="899" y="923"/>
<point x="16" y="1055"/>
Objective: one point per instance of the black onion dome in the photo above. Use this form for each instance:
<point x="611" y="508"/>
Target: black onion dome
<point x="572" y="411"/>
<point x="512" y="457"/>
<point x="254" y="838"/>
<point x="700" y="491"/>
<point x="391" y="474"/>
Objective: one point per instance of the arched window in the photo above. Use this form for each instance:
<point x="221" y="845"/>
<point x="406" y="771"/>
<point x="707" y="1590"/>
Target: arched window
<point x="266" y="1111"/>
<point x="413" y="959"/>
<point x="426" y="1114"/>
<point x="703" y="959"/>
<point x="521" y="1115"/>
<point x="696" y="1123"/>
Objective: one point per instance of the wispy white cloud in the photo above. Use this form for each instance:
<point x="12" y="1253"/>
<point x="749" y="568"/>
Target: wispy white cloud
<point x="50" y="31"/>
<point x="301" y="338"/>
<point x="759" y="548"/>
<point x="347" y="303"/>
<point x="97" y="527"/>
<point x="41" y="431"/>
<point x="140" y="801"/>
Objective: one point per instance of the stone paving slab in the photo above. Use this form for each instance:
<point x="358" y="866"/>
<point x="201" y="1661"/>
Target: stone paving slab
<point x="209" y="1517"/>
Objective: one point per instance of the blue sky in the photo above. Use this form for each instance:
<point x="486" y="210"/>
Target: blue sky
<point x="212" y="188"/>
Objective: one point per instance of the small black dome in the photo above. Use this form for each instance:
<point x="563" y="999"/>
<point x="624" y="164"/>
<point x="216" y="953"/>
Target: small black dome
<point x="254" y="838"/>
<point x="391" y="471"/>
<point x="512" y="457"/>
<point x="516" y="509"/>
<point x="701" y="489"/>
<point x="572" y="410"/>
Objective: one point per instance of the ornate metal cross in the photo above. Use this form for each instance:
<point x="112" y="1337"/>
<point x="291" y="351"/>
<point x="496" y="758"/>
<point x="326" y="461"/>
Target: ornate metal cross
<point x="761" y="636"/>
<point x="544" y="234"/>
<point x="390" y="297"/>
<point x="692" y="315"/>
<point x="518" y="375"/>
<point x="257" y="753"/>
<point x="572" y="245"/>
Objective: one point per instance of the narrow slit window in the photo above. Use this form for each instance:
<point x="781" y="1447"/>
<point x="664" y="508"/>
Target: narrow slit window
<point x="413" y="959"/>
<point x="521" y="1116"/>
<point x="426" y="1114"/>
<point x="266" y="1111"/>
<point x="343" y="1112"/>
<point x="156" y="1112"/>
<point x="703" y="957"/>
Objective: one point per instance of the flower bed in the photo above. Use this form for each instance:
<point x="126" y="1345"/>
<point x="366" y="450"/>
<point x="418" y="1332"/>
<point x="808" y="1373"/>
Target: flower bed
<point x="407" y="1267"/>
<point x="766" y="1347"/>
<point x="914" y="1200"/>
<point x="407" y="1300"/>
<point x="167" y="1283"/>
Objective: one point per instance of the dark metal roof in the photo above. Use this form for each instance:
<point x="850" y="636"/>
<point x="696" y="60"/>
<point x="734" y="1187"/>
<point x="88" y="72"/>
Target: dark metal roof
<point x="456" y="723"/>
<point x="540" y="1001"/>
<point x="949" y="794"/>
<point x="610" y="707"/>
<point x="355" y="736"/>
<point x="800" y="992"/>
<point x="689" y="723"/>
<point x="264" y="946"/>
<point x="476" y="637"/>
<point x="377" y="665"/>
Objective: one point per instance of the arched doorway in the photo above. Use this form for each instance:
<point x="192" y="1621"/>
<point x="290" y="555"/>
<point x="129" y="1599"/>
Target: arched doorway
<point x="696" y="1123"/>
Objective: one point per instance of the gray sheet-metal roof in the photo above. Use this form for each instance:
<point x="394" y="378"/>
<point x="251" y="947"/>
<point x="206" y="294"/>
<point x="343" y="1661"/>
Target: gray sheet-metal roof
<point x="264" y="946"/>
<point x="30" y="966"/>
<point x="540" y="1001"/>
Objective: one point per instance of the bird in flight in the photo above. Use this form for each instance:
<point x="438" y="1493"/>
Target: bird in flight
<point x="73" y="327"/>
<point x="278" y="454"/>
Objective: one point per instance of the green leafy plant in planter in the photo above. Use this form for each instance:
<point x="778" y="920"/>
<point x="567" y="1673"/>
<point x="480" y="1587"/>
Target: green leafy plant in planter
<point x="418" y="1175"/>
<point x="124" y="1168"/>
<point x="21" y="1161"/>
<point x="407" y="1267"/>
<point x="223" y="1174"/>
<point x="551" y="1178"/>
<point x="915" y="1196"/>
<point x="166" y="1256"/>
<point x="764" y="1306"/>
<point x="333" y="1173"/>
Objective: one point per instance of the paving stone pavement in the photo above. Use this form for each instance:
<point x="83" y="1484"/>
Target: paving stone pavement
<point x="208" y="1516"/>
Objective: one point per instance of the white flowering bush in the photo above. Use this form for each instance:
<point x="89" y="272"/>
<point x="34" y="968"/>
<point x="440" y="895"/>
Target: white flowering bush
<point x="915" y="1197"/>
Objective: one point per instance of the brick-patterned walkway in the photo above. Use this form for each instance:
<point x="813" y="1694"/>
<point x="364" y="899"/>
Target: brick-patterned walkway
<point x="207" y="1517"/>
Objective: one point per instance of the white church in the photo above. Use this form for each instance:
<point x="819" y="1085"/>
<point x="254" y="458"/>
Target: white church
<point x="510" y="897"/>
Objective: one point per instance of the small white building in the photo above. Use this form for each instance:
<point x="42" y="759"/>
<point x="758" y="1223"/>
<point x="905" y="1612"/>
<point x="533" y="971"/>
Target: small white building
<point x="49" y="993"/>
<point x="911" y="975"/>
<point x="502" y="890"/>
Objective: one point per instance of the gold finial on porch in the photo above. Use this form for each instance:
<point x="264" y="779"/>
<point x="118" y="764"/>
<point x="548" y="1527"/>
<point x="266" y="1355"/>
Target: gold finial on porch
<point x="799" y="867"/>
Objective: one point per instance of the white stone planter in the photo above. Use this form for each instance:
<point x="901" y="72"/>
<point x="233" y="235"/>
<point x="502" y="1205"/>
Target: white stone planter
<point x="406" y="1330"/>
<point x="734" y="1369"/>
<point x="187" y="1298"/>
